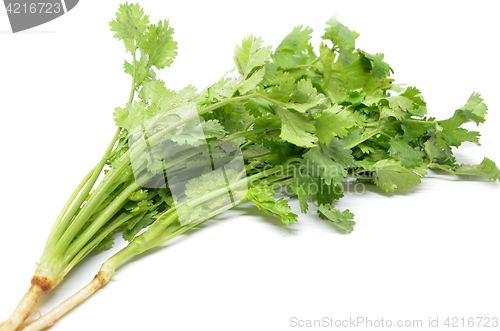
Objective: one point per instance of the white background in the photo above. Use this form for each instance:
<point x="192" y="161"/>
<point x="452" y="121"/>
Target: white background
<point x="428" y="252"/>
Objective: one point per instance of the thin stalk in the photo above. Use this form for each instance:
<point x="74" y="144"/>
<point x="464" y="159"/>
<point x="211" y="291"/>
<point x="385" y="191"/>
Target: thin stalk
<point x="165" y="219"/>
<point x="66" y="207"/>
<point x="58" y="237"/>
<point x="246" y="133"/>
<point x="255" y="164"/>
<point x="134" y="71"/>
<point x="100" y="221"/>
<point x="364" y="138"/>
<point x="306" y="66"/>
<point x="91" y="245"/>
<point x="245" y="145"/>
<point x="87" y="211"/>
<point x="417" y="121"/>
<point x="435" y="165"/>
<point x="256" y="156"/>
<point x="142" y="247"/>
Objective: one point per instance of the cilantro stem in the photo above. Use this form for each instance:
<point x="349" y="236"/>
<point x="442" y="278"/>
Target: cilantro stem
<point x="386" y="134"/>
<point x="132" y="89"/>
<point x="255" y="164"/>
<point x="61" y="237"/>
<point x="100" y="221"/>
<point x="364" y="138"/>
<point x="256" y="156"/>
<point x="293" y="159"/>
<point x="164" y="220"/>
<point x="245" y="145"/>
<point x="91" y="205"/>
<point x="416" y="121"/>
<point x="435" y="165"/>
<point x="247" y="133"/>
<point x="118" y="221"/>
<point x="150" y="239"/>
<point x="308" y="65"/>
<point x="162" y="239"/>
<point x="59" y="219"/>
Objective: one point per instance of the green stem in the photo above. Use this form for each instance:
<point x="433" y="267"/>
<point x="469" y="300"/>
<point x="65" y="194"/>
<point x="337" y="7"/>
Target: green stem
<point x="290" y="160"/>
<point x="91" y="245"/>
<point x="62" y="238"/>
<point x="89" y="208"/>
<point x="162" y="222"/>
<point x="246" y="133"/>
<point x="56" y="229"/>
<point x="245" y="145"/>
<point x="132" y="89"/>
<point x="364" y="138"/>
<point x="386" y="134"/>
<point x="308" y="65"/>
<point x="435" y="165"/>
<point x="256" y="156"/>
<point x="416" y="121"/>
<point x="255" y="164"/>
<point x="137" y="247"/>
<point x="100" y="221"/>
<point x="144" y="243"/>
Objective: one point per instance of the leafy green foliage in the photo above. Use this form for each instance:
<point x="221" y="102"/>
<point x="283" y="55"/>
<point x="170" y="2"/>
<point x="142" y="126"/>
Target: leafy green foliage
<point x="333" y="122"/>
<point x="391" y="175"/>
<point x="290" y="52"/>
<point x="342" y="220"/>
<point x="487" y="169"/>
<point x="263" y="197"/>
<point x="403" y="152"/>
<point x="159" y="45"/>
<point x="299" y="117"/>
<point x="250" y="55"/>
<point x="130" y="22"/>
<point x="295" y="117"/>
<point x="296" y="128"/>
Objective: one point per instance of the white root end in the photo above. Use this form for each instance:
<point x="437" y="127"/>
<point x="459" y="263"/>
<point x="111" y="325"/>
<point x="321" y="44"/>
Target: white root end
<point x="24" y="308"/>
<point x="51" y="317"/>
